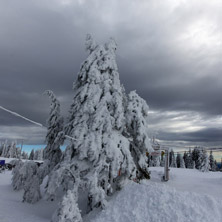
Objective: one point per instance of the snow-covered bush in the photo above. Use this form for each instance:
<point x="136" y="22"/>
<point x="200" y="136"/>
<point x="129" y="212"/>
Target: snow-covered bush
<point x="31" y="183"/>
<point x="17" y="179"/>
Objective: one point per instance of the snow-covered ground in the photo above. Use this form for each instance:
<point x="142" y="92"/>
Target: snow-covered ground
<point x="189" y="195"/>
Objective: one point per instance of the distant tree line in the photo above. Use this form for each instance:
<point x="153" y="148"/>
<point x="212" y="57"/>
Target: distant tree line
<point x="198" y="158"/>
<point x="13" y="151"/>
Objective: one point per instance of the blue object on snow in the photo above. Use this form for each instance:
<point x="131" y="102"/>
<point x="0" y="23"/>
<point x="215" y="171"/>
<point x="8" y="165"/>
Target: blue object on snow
<point x="2" y="162"/>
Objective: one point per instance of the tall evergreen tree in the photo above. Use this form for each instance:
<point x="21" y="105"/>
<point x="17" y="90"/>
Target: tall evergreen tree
<point x="97" y="122"/>
<point x="55" y="135"/>
<point x="99" y="155"/>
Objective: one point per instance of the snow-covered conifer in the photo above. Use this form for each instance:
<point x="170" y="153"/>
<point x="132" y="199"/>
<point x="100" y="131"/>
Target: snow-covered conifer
<point x="6" y="150"/>
<point x="55" y="135"/>
<point x="12" y="150"/>
<point x="24" y="155"/>
<point x="31" y="156"/>
<point x="137" y="127"/>
<point x="199" y="161"/>
<point x="212" y="162"/>
<point x="172" y="159"/>
<point x="68" y="210"/>
<point x="97" y="122"/>
<point x="180" y="161"/>
<point x="31" y="183"/>
<point x="17" y="179"/>
<point x="204" y="167"/>
<point x="186" y="159"/>
<point x="182" y="165"/>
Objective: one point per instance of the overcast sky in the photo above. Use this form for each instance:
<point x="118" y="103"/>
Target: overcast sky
<point x="169" y="51"/>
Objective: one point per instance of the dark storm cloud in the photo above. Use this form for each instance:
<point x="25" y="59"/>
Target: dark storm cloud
<point x="170" y="52"/>
<point x="205" y="135"/>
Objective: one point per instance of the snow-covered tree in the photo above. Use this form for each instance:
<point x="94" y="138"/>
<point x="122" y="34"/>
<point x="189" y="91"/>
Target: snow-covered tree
<point x="17" y="179"/>
<point x="109" y="140"/>
<point x="55" y="135"/>
<point x="162" y="159"/>
<point x="24" y="155"/>
<point x="199" y="161"/>
<point x="68" y="210"/>
<point x="186" y="159"/>
<point x="31" y="156"/>
<point x="204" y="167"/>
<point x="31" y="183"/>
<point x="38" y="155"/>
<point x="197" y="157"/>
<point x="180" y="161"/>
<point x="137" y="127"/>
<point x="97" y="122"/>
<point x="190" y="162"/>
<point x="213" y="166"/>
<point x="172" y="159"/>
<point x="6" y="150"/>
<point x="155" y="162"/>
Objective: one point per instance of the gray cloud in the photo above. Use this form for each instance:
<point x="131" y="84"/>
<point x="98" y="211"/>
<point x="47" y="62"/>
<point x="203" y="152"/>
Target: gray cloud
<point x="170" y="52"/>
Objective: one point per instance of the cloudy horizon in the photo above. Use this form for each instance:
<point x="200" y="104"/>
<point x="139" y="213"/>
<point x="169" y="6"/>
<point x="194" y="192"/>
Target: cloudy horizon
<point x="169" y="52"/>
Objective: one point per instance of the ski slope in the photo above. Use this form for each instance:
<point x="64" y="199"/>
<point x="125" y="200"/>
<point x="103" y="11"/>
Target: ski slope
<point x="189" y="196"/>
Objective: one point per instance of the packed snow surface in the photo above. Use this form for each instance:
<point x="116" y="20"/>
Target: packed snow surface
<point x="189" y="195"/>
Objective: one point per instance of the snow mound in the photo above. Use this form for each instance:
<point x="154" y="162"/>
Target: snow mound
<point x="154" y="202"/>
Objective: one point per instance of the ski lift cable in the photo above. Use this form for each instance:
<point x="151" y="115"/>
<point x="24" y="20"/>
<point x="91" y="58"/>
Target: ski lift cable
<point x="31" y="121"/>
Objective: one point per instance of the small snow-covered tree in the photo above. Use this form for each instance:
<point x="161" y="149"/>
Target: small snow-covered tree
<point x="162" y="160"/>
<point x="31" y="156"/>
<point x="17" y="179"/>
<point x="55" y="135"/>
<point x="31" y="183"/>
<point x="172" y="159"/>
<point x="190" y="162"/>
<point x="186" y="159"/>
<point x="12" y="150"/>
<point x="182" y="165"/>
<point x="25" y="155"/>
<point x="155" y="161"/>
<point x="6" y="150"/>
<point x="204" y="167"/>
<point x="68" y="210"/>
<point x="199" y="160"/>
<point x="213" y="166"/>
<point x="180" y="161"/>
<point x="137" y="127"/>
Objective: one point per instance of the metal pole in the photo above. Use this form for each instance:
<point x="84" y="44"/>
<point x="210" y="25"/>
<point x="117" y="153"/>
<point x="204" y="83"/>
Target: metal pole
<point x="166" y="168"/>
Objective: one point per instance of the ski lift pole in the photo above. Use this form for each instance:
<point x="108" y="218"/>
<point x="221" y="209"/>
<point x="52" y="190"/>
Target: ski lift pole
<point x="166" y="167"/>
